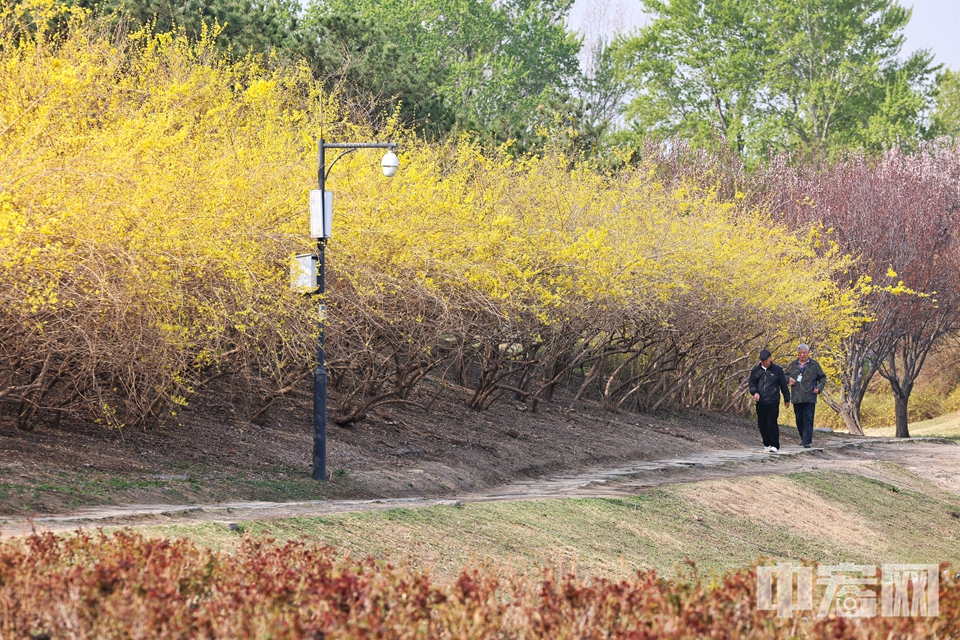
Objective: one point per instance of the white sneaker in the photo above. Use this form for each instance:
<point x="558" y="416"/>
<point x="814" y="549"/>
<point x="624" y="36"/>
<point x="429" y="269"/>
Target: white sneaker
<point x="773" y="449"/>
<point x="767" y="449"/>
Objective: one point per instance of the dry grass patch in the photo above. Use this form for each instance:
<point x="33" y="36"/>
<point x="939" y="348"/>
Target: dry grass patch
<point x="780" y="502"/>
<point x="822" y="516"/>
<point x="945" y="426"/>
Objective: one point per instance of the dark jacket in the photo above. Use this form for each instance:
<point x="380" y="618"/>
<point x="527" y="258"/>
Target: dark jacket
<point x="769" y="384"/>
<point x="813" y="378"/>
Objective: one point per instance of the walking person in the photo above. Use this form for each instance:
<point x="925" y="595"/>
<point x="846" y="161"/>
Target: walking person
<point x="767" y="382"/>
<point x="806" y="379"/>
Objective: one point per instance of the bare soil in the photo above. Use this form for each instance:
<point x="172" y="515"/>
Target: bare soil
<point x="215" y="454"/>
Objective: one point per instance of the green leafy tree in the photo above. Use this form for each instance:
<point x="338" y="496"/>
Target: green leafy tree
<point x="695" y="69"/>
<point x="810" y="76"/>
<point x="486" y="67"/>
<point x="946" y="115"/>
<point x="247" y="26"/>
<point x="834" y="78"/>
<point x="601" y="95"/>
<point x="371" y="69"/>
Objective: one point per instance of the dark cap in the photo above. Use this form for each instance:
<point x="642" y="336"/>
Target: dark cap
<point x="764" y="354"/>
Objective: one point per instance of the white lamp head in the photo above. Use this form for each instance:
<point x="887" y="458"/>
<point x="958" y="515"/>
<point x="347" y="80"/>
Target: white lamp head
<point x="390" y="164"/>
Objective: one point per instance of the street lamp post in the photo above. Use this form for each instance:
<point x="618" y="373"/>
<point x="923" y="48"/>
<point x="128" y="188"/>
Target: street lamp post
<point x="321" y="215"/>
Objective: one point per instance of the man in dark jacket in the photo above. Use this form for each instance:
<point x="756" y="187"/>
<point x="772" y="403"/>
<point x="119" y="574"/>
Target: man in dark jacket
<point x="806" y="379"/>
<point x="767" y="382"/>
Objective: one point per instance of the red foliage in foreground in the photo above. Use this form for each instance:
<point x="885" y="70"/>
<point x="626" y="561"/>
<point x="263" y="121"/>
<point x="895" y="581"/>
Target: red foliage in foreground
<point x="125" y="586"/>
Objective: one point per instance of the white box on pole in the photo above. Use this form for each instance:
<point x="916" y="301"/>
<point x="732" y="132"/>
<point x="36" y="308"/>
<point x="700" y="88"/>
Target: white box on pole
<point x="321" y="213"/>
<point x="303" y="273"/>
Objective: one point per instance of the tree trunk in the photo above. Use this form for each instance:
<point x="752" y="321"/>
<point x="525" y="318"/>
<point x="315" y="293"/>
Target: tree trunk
<point x="851" y="417"/>
<point x="902" y="377"/>
<point x="900" y="406"/>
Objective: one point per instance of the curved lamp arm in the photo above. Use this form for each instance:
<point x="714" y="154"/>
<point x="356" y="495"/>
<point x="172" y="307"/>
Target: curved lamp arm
<point x="330" y="168"/>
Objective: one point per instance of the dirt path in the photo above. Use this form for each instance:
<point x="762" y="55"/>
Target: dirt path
<point x="935" y="461"/>
<point x="217" y="458"/>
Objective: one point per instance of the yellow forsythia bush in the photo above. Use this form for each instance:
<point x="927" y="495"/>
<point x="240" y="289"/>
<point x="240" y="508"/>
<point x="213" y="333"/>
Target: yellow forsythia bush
<point x="661" y="291"/>
<point x="152" y="193"/>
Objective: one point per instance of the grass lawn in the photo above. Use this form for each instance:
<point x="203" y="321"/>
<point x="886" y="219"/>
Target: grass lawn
<point x="723" y="524"/>
<point x="945" y="426"/>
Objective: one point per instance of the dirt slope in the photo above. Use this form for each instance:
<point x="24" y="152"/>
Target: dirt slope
<point x="215" y="454"/>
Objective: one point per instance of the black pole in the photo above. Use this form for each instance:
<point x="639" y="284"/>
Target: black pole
<point x="320" y="373"/>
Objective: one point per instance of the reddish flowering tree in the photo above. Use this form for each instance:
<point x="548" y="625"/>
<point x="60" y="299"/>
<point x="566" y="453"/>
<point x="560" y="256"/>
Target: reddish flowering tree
<point x="898" y="214"/>
<point x="935" y="269"/>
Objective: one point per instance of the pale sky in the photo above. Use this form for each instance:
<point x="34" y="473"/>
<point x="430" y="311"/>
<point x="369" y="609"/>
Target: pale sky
<point x="935" y="24"/>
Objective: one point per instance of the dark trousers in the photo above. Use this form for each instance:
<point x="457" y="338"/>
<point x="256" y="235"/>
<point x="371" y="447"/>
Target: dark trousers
<point x="767" y="416"/>
<point x="804" y="412"/>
